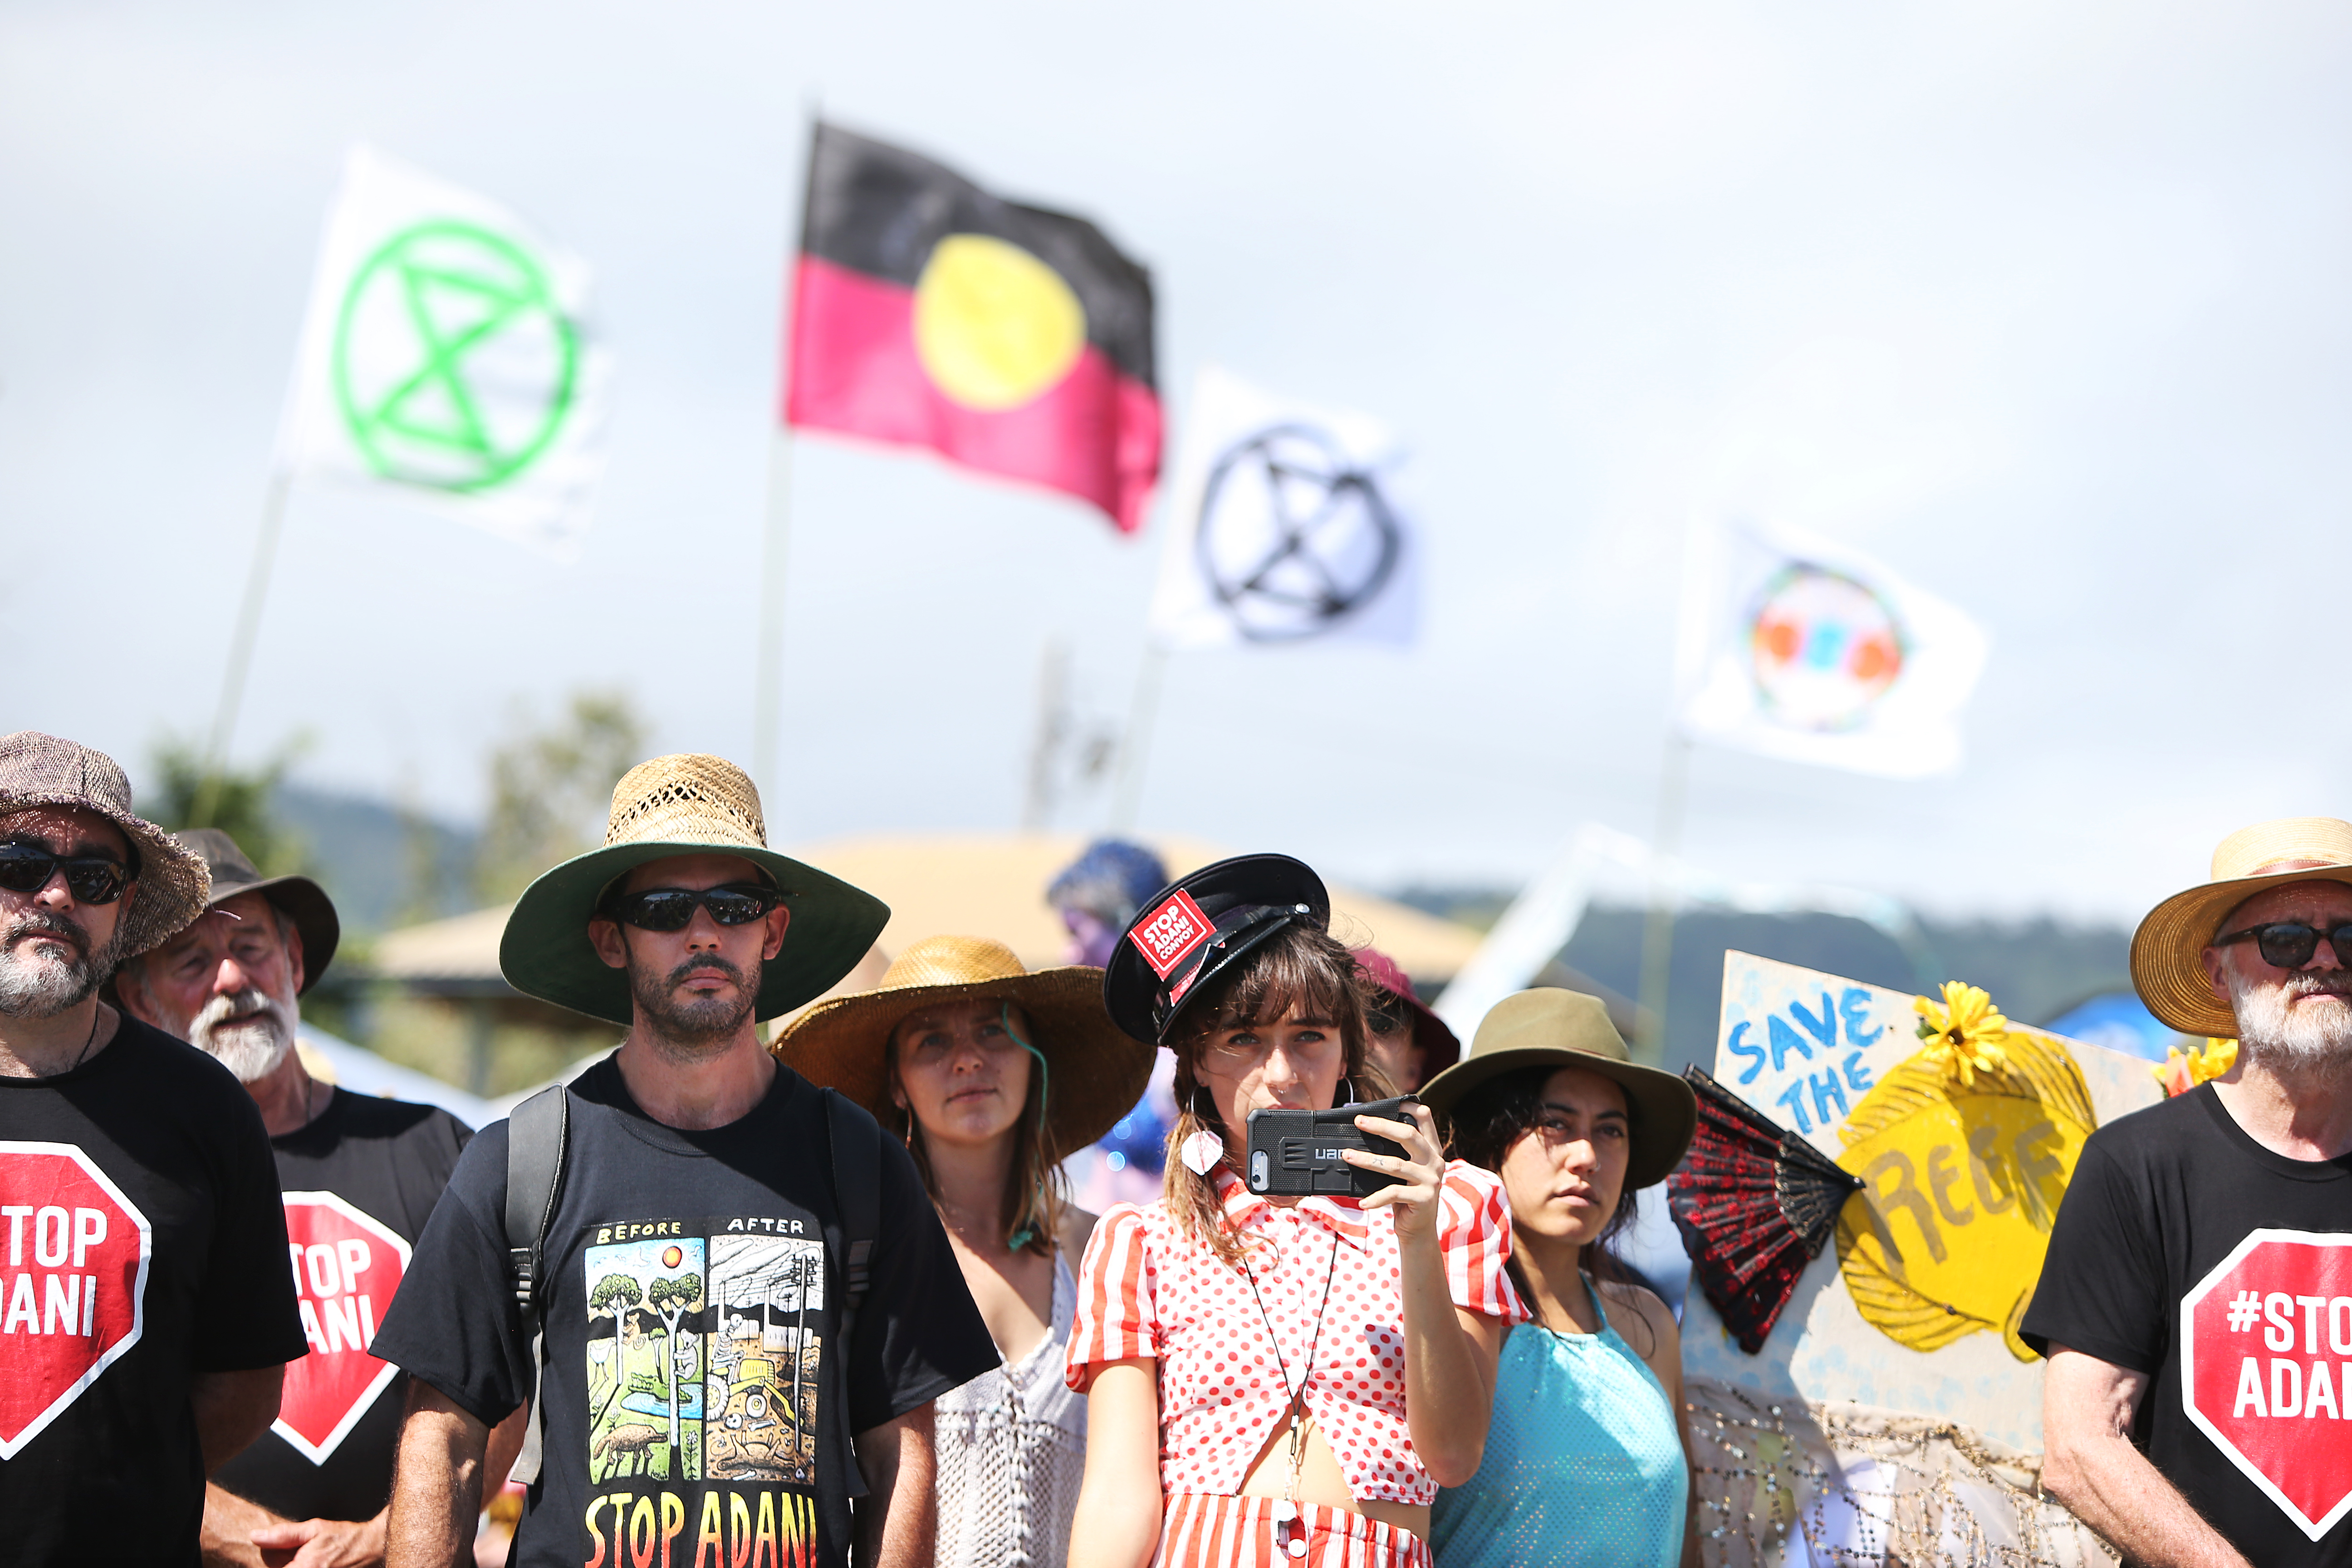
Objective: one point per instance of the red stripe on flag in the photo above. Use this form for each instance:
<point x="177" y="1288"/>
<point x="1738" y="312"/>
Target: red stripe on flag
<point x="855" y="369"/>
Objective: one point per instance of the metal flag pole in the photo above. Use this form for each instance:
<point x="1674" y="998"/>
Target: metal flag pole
<point x="1135" y="748"/>
<point x="768" y="678"/>
<point x="240" y="648"/>
<point x="1658" y="928"/>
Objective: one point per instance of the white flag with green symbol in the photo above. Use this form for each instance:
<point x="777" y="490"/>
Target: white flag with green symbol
<point x="447" y="352"/>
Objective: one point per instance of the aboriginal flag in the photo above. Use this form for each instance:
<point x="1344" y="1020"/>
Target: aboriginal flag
<point x="1010" y="339"/>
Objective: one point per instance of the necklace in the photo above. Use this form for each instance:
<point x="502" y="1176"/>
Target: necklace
<point x="95" y="1014"/>
<point x="1285" y="1513"/>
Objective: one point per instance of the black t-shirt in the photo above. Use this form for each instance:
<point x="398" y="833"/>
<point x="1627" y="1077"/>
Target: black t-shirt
<point x="141" y="1242"/>
<point x="2177" y="1203"/>
<point x="693" y="1396"/>
<point x="360" y="1180"/>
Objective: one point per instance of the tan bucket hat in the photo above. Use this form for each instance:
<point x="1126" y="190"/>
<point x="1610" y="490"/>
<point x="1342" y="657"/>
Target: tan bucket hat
<point x="2168" y="953"/>
<point x="44" y="770"/>
<point x="1095" y="1070"/>
<point x="1550" y="1028"/>
<point x="683" y="804"/>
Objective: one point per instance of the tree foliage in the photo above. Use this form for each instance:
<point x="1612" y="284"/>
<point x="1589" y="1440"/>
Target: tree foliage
<point x="672" y="1295"/>
<point x="241" y="802"/>
<point x="613" y="1293"/>
<point x="550" y="787"/>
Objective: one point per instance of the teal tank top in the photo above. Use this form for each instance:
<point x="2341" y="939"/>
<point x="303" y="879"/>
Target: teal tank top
<point x="1583" y="1466"/>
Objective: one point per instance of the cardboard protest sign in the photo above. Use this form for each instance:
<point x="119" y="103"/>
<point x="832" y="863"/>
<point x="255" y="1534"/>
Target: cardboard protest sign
<point x="1915" y="1307"/>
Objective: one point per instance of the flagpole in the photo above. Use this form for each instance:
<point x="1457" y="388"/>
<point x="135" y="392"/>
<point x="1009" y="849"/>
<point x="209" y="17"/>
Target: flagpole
<point x="240" y="648"/>
<point x="1135" y="750"/>
<point x="1658" y="928"/>
<point x="767" y="685"/>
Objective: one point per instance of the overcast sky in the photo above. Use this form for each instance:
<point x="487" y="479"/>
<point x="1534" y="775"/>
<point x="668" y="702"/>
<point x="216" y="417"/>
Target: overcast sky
<point x="2043" y="303"/>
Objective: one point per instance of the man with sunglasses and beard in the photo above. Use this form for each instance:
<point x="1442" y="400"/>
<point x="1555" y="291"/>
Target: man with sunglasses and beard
<point x="2196" y="1302"/>
<point x="146" y="1314"/>
<point x="361" y="1175"/>
<point x="695" y="1244"/>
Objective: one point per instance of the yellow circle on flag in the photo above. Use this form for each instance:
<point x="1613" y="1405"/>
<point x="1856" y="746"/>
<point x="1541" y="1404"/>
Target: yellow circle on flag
<point x="994" y="326"/>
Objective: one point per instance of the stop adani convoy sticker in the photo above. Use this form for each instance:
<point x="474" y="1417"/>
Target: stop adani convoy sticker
<point x="347" y="1263"/>
<point x="73" y="1283"/>
<point x="2266" y="1368"/>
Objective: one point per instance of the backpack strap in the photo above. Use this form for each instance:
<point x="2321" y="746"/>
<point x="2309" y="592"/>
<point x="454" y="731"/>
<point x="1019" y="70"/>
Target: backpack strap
<point x="537" y="1133"/>
<point x="857" y="1141"/>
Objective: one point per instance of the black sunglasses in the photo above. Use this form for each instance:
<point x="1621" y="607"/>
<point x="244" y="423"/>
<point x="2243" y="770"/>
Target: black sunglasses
<point x="670" y="908"/>
<point x="2289" y="944"/>
<point x="91" y="878"/>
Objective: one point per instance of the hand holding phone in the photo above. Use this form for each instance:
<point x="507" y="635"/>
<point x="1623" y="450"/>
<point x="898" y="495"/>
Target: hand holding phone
<point x="1296" y="1153"/>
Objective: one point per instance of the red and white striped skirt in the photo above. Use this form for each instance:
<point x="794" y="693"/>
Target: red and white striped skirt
<point x="1202" y="1532"/>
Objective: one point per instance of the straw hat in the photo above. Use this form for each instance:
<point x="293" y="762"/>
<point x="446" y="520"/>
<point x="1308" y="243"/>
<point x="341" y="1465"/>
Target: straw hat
<point x="1554" y="1028"/>
<point x="685" y="805"/>
<point x="2168" y="953"/>
<point x="1095" y="1073"/>
<point x="43" y="770"/>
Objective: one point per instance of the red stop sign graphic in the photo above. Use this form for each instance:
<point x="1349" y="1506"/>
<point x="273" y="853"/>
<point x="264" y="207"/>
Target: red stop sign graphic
<point x="347" y="1264"/>
<point x="2266" y="1366"/>
<point x="73" y="1282"/>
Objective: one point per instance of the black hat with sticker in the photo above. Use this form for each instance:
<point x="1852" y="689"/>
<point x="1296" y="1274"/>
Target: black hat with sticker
<point x="1193" y="928"/>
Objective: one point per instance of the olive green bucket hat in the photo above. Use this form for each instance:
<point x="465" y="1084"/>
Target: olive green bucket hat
<point x="684" y="804"/>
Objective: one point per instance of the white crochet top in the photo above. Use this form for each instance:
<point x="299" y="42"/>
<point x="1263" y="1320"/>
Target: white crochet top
<point x="1012" y="1451"/>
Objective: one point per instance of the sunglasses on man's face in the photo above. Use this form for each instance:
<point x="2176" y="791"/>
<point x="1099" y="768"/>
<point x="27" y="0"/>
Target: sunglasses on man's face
<point x="670" y="908"/>
<point x="91" y="878"/>
<point x="2289" y="944"/>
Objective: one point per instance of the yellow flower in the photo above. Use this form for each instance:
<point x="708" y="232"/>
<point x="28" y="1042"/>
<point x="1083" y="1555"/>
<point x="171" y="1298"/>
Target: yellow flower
<point x="1964" y="1034"/>
<point x="2184" y="1070"/>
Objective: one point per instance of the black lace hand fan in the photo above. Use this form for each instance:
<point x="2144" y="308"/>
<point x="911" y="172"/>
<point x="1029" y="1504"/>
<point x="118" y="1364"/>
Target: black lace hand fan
<point x="1755" y="1204"/>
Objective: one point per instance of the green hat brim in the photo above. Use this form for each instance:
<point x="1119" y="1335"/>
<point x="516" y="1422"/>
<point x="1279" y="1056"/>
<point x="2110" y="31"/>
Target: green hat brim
<point x="545" y="951"/>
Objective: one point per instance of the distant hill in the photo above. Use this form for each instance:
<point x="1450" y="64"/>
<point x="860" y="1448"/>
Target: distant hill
<point x="382" y="867"/>
<point x="2035" y="970"/>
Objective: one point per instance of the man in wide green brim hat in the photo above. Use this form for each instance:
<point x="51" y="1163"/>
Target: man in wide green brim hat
<point x="688" y="1153"/>
<point x="706" y="808"/>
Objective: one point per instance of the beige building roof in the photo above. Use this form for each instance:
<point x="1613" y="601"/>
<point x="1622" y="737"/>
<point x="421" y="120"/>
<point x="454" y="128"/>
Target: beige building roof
<point x="989" y="885"/>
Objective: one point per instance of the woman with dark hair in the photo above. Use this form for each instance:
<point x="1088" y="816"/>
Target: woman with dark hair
<point x="989" y="1073"/>
<point x="1588" y="1459"/>
<point x="1277" y="1380"/>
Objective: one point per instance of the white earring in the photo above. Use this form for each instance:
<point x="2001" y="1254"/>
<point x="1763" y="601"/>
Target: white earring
<point x="1201" y="1151"/>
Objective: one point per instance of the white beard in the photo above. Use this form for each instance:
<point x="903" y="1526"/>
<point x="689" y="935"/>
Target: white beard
<point x="2289" y="1035"/>
<point x="252" y="1048"/>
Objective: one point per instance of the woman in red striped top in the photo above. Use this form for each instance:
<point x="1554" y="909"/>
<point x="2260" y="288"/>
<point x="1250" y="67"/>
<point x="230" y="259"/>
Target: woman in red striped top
<point x="1272" y="1380"/>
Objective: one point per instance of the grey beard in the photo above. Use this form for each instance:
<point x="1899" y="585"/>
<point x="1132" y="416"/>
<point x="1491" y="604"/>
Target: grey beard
<point x="42" y="983"/>
<point x="2272" y="1032"/>
<point x="688" y="1030"/>
<point x="251" y="1048"/>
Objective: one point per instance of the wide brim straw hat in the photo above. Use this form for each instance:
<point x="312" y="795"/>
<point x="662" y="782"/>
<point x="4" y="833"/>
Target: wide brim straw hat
<point x="684" y="804"/>
<point x="1553" y="1028"/>
<point x="2168" y="953"/>
<point x="45" y="770"/>
<point x="1094" y="1072"/>
<point x="303" y="900"/>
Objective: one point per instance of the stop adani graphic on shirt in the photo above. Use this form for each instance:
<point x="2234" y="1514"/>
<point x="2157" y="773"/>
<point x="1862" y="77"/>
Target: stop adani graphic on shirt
<point x="347" y="1264"/>
<point x="73" y="1291"/>
<point x="2266" y="1364"/>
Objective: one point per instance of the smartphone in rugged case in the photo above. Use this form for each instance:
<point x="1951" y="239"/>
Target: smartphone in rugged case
<point x="1293" y="1153"/>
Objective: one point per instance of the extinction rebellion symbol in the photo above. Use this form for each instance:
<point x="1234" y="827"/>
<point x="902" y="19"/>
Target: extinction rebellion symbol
<point x="73" y="1282"/>
<point x="1293" y="536"/>
<point x="454" y="364"/>
<point x="2265" y="1361"/>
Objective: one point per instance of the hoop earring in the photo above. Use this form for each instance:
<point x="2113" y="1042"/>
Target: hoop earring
<point x="1347" y="1092"/>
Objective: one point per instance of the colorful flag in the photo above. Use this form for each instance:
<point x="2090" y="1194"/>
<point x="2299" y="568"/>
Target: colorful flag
<point x="447" y="352"/>
<point x="1007" y="338"/>
<point x="1284" y="527"/>
<point x="1798" y="648"/>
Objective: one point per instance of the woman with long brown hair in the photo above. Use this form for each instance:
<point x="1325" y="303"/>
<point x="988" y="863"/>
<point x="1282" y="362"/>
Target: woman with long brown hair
<point x="991" y="1074"/>
<point x="1277" y="1380"/>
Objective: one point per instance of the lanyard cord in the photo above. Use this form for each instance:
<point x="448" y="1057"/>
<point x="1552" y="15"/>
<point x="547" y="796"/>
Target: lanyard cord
<point x="1307" y="1374"/>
